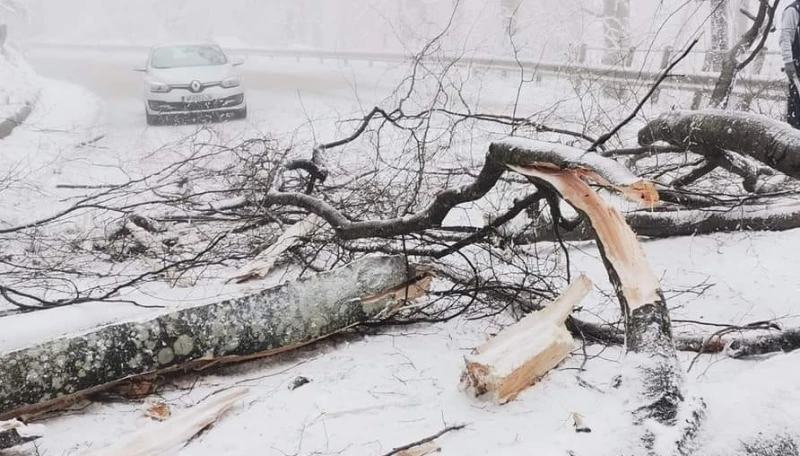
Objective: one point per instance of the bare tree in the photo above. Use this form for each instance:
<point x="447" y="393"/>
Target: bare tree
<point x="744" y="51"/>
<point x="616" y="30"/>
<point x="720" y="35"/>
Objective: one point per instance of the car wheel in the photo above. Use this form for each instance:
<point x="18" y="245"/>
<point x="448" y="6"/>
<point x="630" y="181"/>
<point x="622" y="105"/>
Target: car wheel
<point x="241" y="113"/>
<point x="153" y="119"/>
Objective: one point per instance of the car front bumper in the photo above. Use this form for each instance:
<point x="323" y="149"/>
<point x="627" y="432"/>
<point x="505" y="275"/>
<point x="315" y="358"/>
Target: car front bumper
<point x="220" y="101"/>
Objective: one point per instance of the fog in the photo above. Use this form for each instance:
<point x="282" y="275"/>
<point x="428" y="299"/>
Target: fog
<point x="547" y="29"/>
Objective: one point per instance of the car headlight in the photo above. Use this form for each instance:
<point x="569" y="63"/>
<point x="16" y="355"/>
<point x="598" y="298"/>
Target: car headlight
<point x="158" y="87"/>
<point x="234" y="81"/>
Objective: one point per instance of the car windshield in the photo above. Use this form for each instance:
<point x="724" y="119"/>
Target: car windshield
<point x="187" y="56"/>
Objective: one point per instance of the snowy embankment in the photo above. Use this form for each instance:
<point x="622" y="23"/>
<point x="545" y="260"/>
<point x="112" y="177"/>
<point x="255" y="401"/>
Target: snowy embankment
<point x="33" y="164"/>
<point x="18" y="92"/>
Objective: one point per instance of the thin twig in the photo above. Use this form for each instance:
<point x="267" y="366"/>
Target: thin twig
<point x="426" y="439"/>
<point x="664" y="74"/>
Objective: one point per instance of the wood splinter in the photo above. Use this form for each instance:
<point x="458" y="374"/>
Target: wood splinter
<point x="525" y="351"/>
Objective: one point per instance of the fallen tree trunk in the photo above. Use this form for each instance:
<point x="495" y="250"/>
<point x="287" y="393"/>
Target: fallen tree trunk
<point x="731" y="342"/>
<point x="769" y="141"/>
<point x="286" y="315"/>
<point x="670" y="417"/>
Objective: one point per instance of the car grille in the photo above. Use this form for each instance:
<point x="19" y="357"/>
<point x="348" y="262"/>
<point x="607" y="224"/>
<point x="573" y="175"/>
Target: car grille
<point x="219" y="103"/>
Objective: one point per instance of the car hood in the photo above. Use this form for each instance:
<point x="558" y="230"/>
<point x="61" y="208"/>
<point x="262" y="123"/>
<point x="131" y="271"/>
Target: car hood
<point x="185" y="75"/>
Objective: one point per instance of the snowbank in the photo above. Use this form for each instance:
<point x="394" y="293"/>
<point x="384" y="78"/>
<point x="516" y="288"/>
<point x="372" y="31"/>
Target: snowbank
<point x="32" y="163"/>
<point x="18" y="92"/>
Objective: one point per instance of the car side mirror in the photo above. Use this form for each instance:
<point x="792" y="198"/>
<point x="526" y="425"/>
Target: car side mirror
<point x="237" y="62"/>
<point x="141" y="70"/>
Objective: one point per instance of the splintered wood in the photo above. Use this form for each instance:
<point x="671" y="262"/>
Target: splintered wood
<point x="265" y="261"/>
<point x="170" y="436"/>
<point x="522" y="353"/>
<point x="620" y="246"/>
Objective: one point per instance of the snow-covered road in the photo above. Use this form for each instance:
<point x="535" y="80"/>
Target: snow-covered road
<point x="280" y="93"/>
<point x="92" y="111"/>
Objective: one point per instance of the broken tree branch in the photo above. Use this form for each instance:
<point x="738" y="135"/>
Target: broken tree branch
<point x="774" y="143"/>
<point x="656" y="378"/>
<point x="605" y="171"/>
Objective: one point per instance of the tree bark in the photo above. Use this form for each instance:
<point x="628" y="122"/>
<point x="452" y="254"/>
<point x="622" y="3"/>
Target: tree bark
<point x="776" y="144"/>
<point x="719" y="35"/>
<point x="783" y="341"/>
<point x="286" y="315"/>
<point x="730" y="64"/>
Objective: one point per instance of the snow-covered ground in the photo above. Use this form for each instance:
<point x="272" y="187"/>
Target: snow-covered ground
<point x="370" y="395"/>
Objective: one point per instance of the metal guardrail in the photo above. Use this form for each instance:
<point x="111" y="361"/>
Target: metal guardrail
<point x="748" y="86"/>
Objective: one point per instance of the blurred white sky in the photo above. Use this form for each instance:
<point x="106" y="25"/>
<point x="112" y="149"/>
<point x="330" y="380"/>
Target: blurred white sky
<point x="545" y="29"/>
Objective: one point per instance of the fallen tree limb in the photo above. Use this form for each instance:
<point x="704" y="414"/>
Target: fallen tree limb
<point x="604" y="171"/>
<point x="769" y="141"/>
<point x="778" y="216"/>
<point x="281" y="316"/>
<point x="782" y="341"/>
<point x="734" y="346"/>
<point x="669" y="416"/>
<point x="662" y="224"/>
<point x="170" y="436"/>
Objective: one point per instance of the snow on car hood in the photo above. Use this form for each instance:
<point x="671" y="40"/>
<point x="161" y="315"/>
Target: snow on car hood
<point x="185" y="75"/>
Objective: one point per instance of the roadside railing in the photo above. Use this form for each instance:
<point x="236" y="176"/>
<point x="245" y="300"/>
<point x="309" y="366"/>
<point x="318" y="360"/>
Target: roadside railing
<point x="748" y="86"/>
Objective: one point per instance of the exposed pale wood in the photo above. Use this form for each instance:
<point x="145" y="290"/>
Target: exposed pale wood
<point x="619" y="243"/>
<point x="522" y="353"/>
<point x="265" y="261"/>
<point x="170" y="436"/>
<point x="425" y="449"/>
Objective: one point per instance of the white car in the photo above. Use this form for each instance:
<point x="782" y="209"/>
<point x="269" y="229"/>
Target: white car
<point x="190" y="79"/>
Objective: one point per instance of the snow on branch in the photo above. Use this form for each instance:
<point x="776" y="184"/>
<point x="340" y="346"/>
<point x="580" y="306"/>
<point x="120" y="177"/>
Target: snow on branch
<point x="769" y="141"/>
<point x="502" y="154"/>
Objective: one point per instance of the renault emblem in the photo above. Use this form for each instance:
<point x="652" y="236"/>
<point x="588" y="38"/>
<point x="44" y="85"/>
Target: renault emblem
<point x="195" y="86"/>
